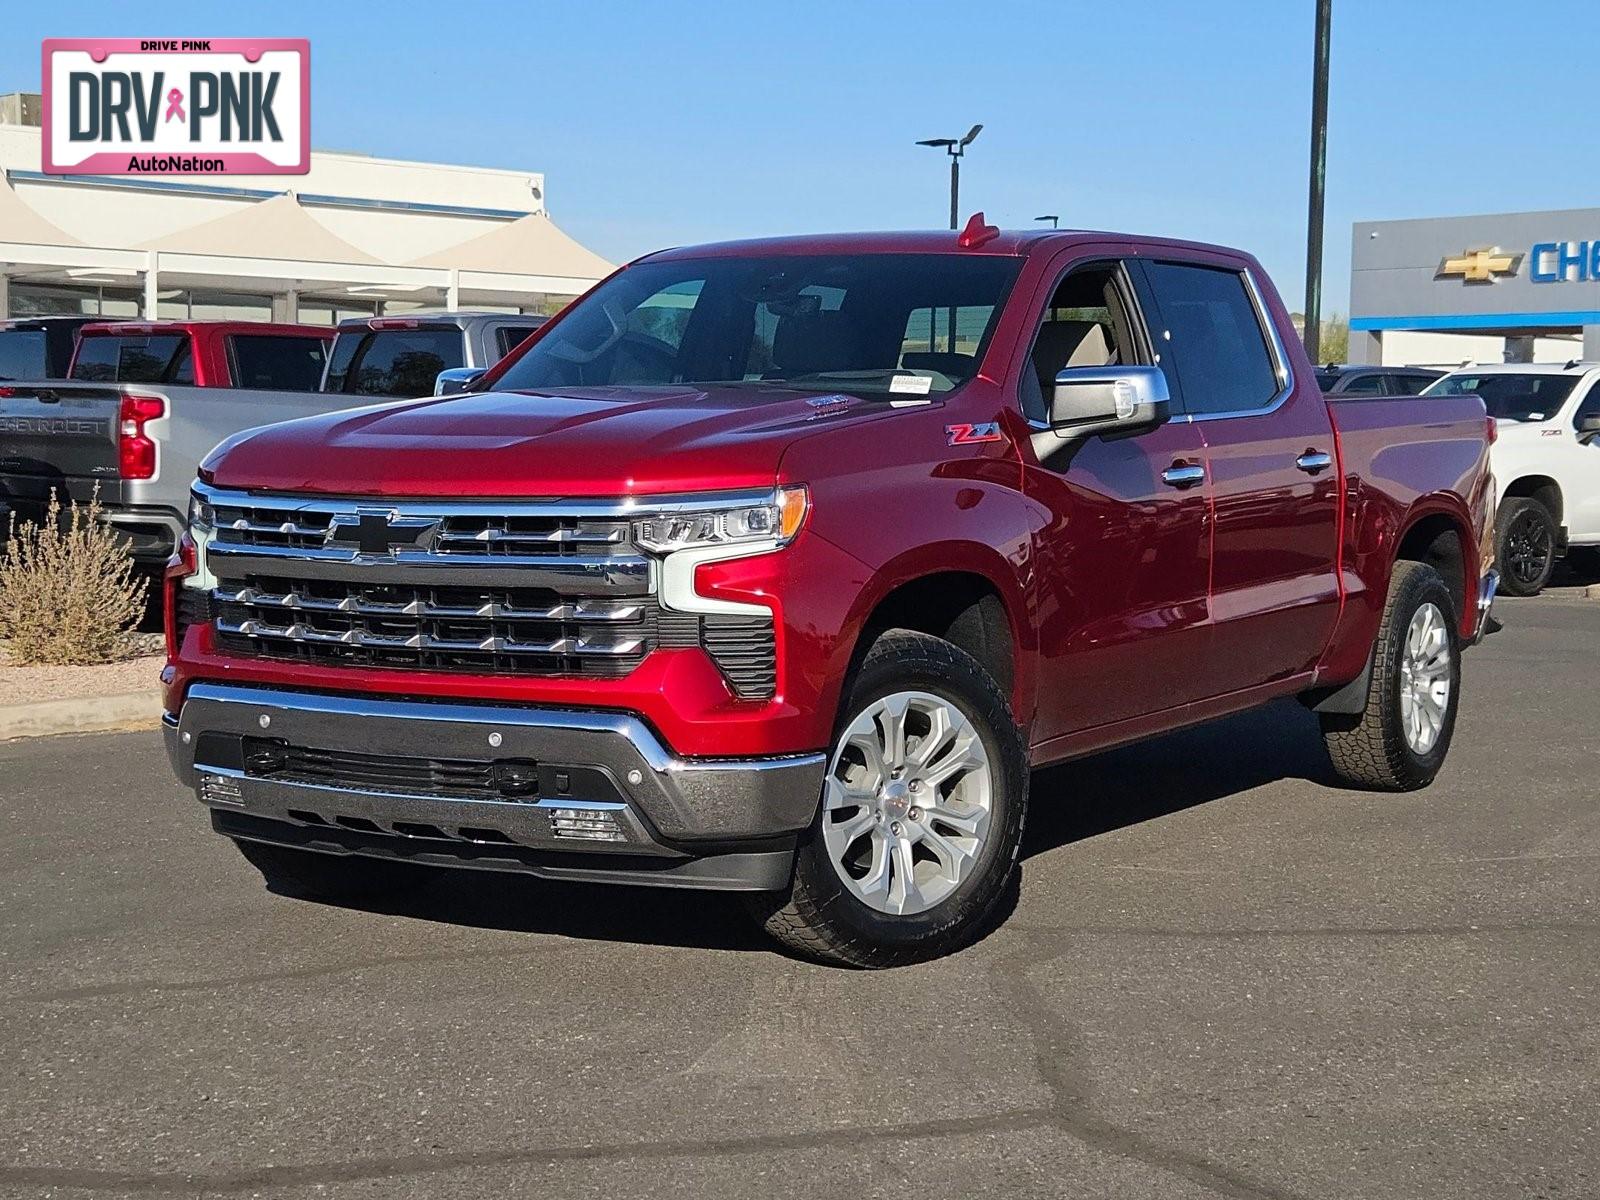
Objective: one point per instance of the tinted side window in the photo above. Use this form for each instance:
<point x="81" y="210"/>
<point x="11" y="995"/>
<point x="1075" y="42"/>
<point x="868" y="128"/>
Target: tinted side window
<point x="403" y="362"/>
<point x="1589" y="406"/>
<point x="1409" y="385"/>
<point x="1216" y="340"/>
<point x="509" y="337"/>
<point x="129" y="359"/>
<point x="22" y="354"/>
<point x="1367" y="385"/>
<point x="277" y="363"/>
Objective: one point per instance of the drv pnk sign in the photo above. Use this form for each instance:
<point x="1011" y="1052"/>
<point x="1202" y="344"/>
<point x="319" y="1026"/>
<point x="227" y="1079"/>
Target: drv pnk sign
<point x="169" y="106"/>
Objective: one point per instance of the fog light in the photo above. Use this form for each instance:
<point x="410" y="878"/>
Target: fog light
<point x="586" y="825"/>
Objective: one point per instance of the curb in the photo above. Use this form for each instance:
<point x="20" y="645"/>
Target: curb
<point x="86" y="714"/>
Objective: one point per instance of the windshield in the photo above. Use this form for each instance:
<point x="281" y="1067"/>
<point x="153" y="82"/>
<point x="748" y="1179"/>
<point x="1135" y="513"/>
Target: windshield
<point x="871" y="325"/>
<point x="1508" y="396"/>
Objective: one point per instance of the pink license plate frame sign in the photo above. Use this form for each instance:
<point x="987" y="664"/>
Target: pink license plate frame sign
<point x="176" y="106"/>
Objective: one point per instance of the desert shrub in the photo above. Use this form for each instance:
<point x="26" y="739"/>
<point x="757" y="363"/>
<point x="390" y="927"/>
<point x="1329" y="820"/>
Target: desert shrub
<point x="68" y="592"/>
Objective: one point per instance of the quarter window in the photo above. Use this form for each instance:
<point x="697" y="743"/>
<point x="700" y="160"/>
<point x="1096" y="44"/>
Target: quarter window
<point x="1214" y="337"/>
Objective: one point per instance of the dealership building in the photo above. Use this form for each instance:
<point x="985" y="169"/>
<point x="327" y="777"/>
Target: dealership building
<point x="1512" y="287"/>
<point x="356" y="236"/>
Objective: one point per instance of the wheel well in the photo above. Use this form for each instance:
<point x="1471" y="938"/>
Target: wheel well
<point x="963" y="609"/>
<point x="1541" y="488"/>
<point x="1437" y="542"/>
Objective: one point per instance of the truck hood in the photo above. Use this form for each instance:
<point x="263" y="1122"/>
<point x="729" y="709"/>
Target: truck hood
<point x="582" y="442"/>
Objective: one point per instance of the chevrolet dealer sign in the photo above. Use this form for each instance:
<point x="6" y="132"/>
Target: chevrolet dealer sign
<point x="209" y="106"/>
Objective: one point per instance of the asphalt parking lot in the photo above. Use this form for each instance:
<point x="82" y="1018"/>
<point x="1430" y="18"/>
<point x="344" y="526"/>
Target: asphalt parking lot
<point x="1222" y="977"/>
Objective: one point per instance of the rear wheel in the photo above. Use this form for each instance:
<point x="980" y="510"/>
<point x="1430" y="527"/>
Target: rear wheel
<point x="1525" y="546"/>
<point x="921" y="816"/>
<point x="1399" y="740"/>
<point x="316" y="876"/>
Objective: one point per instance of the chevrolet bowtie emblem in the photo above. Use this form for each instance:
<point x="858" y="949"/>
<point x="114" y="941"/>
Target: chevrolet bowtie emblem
<point x="379" y="532"/>
<point x="1482" y="265"/>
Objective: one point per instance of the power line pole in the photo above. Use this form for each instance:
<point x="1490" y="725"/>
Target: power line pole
<point x="1319" y="182"/>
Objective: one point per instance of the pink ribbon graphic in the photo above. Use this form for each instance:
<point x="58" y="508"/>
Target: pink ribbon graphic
<point x="175" y="105"/>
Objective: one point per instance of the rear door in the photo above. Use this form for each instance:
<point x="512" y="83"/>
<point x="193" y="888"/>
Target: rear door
<point x="1273" y="476"/>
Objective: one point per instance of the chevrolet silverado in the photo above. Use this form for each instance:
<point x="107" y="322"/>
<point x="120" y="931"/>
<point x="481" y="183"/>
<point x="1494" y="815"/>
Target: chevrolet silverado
<point x="775" y="566"/>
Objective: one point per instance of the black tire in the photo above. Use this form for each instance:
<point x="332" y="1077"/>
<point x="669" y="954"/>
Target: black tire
<point x="1525" y="546"/>
<point x="818" y="917"/>
<point x="1370" y="750"/>
<point x="313" y="876"/>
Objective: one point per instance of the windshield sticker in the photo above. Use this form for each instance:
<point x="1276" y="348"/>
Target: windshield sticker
<point x="911" y="385"/>
<point x="967" y="435"/>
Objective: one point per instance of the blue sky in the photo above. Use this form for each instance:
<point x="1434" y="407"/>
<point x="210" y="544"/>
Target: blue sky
<point x="666" y="123"/>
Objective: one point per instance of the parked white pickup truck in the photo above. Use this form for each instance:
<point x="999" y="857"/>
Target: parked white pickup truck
<point x="1546" y="462"/>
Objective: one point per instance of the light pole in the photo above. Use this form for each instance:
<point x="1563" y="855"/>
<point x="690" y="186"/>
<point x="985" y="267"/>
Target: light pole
<point x="1319" y="179"/>
<point x="1055" y="221"/>
<point x="955" y="148"/>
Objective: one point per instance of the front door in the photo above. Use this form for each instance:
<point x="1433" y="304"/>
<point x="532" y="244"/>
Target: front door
<point x="1121" y="545"/>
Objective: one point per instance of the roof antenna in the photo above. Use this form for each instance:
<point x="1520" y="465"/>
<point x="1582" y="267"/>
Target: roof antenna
<point x="977" y="232"/>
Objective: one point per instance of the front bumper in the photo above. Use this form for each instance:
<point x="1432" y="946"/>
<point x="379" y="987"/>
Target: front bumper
<point x="560" y="793"/>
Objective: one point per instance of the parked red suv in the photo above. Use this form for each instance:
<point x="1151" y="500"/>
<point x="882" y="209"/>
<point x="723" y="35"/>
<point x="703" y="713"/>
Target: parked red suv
<point x="774" y="566"/>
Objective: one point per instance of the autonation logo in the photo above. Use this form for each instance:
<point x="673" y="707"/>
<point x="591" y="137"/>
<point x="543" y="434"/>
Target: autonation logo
<point x="209" y="106"/>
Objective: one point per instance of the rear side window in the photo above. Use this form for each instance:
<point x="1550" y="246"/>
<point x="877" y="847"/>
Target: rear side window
<point x="22" y="354"/>
<point x="1368" y="385"/>
<point x="509" y="337"/>
<point x="132" y="359"/>
<point x="1215" y="338"/>
<point x="394" y="362"/>
<point x="273" y="362"/>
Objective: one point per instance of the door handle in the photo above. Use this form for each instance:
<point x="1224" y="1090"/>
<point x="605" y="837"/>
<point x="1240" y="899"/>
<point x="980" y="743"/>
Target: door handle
<point x="1313" y="461"/>
<point x="1183" y="475"/>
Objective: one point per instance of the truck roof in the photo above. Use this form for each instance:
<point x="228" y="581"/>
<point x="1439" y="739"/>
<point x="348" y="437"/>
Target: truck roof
<point x="459" y="317"/>
<point x="136" y="328"/>
<point x="1570" y="367"/>
<point x="942" y="241"/>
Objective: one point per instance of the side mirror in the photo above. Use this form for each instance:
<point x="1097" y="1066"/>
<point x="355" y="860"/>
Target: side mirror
<point x="1091" y="400"/>
<point x="454" y="380"/>
<point x="1589" y="428"/>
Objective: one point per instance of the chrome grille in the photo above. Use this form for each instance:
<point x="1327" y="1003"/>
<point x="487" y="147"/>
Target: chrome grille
<point x="434" y="628"/>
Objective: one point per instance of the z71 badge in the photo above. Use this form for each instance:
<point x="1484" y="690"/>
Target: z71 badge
<point x="966" y="435"/>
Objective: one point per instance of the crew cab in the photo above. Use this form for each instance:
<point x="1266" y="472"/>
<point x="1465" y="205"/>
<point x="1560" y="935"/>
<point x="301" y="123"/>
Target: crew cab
<point x="1546" y="462"/>
<point x="405" y="356"/>
<point x="142" y="404"/>
<point x="774" y="566"/>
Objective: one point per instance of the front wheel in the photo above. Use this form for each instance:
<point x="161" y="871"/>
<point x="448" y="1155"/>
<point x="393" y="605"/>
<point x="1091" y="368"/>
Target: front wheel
<point x="1526" y="549"/>
<point x="921" y="817"/>
<point x="1399" y="740"/>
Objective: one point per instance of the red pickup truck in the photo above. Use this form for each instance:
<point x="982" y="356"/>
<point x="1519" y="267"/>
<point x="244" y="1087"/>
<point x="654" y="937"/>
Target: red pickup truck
<point x="775" y="566"/>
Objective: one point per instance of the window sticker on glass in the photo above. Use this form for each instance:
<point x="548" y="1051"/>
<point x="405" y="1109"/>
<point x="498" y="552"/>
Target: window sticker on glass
<point x="911" y="385"/>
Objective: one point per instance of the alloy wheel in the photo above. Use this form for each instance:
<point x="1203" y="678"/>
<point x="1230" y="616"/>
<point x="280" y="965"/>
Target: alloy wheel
<point x="1426" y="677"/>
<point x="907" y="802"/>
<point x="1528" y="548"/>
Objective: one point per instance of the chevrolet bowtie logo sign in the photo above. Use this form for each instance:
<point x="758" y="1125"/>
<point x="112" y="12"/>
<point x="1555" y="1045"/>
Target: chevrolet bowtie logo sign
<point x="1483" y="265"/>
<point x="379" y="532"/>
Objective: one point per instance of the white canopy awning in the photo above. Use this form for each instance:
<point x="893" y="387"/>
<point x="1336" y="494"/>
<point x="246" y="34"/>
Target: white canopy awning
<point x="531" y="245"/>
<point x="281" y="224"/>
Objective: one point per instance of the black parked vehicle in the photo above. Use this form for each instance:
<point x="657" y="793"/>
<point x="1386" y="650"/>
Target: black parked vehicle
<point x="1337" y="379"/>
<point x="39" y="347"/>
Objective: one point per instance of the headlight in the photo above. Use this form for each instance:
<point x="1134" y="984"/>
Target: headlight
<point x="775" y="520"/>
<point x="201" y="515"/>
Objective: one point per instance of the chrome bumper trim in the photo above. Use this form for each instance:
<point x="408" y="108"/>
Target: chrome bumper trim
<point x="668" y="799"/>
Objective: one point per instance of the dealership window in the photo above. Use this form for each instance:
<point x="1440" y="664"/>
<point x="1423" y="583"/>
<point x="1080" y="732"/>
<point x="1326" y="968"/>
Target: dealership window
<point x="198" y="304"/>
<point x="62" y="300"/>
<point x="329" y="310"/>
